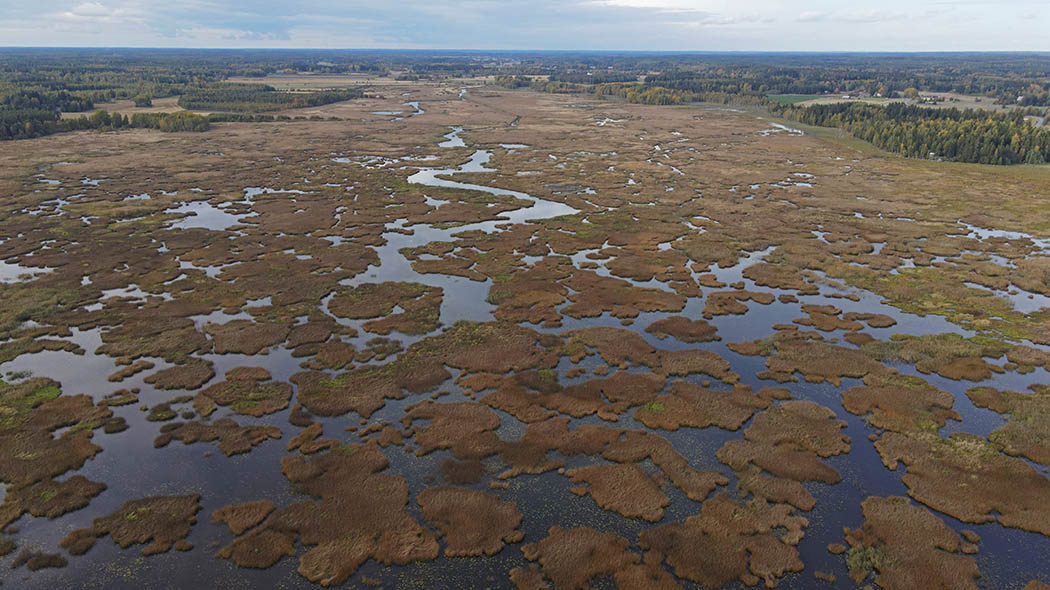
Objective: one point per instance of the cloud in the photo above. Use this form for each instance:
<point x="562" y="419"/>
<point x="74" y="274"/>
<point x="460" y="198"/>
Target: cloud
<point x="661" y="5"/>
<point x="674" y="25"/>
<point x="90" y="9"/>
<point x="857" y="17"/>
<point x="227" y="34"/>
<point x="812" y="17"/>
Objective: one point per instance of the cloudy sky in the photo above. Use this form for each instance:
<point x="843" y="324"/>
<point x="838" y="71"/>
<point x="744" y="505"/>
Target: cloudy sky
<point x="765" y="25"/>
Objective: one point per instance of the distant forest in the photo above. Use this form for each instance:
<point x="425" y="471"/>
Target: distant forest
<point x="977" y="136"/>
<point x="38" y="85"/>
<point x="950" y="134"/>
<point x="257" y="98"/>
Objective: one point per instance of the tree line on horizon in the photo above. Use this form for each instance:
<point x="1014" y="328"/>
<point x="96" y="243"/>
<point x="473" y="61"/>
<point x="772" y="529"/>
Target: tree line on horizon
<point x="975" y="136"/>
<point x="982" y="137"/>
<point x="27" y="123"/>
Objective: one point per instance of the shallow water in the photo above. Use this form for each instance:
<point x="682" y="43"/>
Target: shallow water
<point x="202" y="214"/>
<point x="13" y="273"/>
<point x="133" y="468"/>
<point x="464" y="299"/>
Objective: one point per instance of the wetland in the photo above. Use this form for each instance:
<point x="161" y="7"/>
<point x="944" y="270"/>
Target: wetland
<point x="493" y="338"/>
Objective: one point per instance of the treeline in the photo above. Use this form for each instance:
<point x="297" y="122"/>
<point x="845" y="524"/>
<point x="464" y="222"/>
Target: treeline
<point x="103" y="75"/>
<point x="593" y="77"/>
<point x="644" y="94"/>
<point x="53" y="101"/>
<point x="257" y="98"/>
<point x="1033" y="96"/>
<point x="1002" y="77"/>
<point x="26" y="123"/>
<point x="540" y="84"/>
<point x="659" y="95"/>
<point x="637" y="93"/>
<point x="262" y="118"/>
<point x="38" y="85"/>
<point x="981" y="137"/>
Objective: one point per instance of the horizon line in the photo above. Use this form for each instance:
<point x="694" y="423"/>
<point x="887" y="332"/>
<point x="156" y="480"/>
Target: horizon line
<point x="533" y="50"/>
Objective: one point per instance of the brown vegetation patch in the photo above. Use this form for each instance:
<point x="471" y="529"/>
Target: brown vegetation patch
<point x="260" y="549"/>
<point x="365" y="389"/>
<point x="377" y="349"/>
<point x="607" y="397"/>
<point x="859" y="339"/>
<point x="38" y="560"/>
<point x="474" y="347"/>
<point x="191" y="374"/>
<point x="168" y="337"/>
<point x="532" y="578"/>
<point x="625" y="489"/>
<point x="875" y="320"/>
<point x="684" y="329"/>
<point x="160" y="521"/>
<point x="30" y="412"/>
<point x="316" y="330"/>
<point x="465" y="428"/>
<point x="949" y="355"/>
<point x="233" y="438"/>
<point x="49" y="498"/>
<point x="359" y="514"/>
<point x="697" y="407"/>
<point x="779" y="276"/>
<point x="635" y="446"/>
<point x="420" y="305"/>
<point x="594" y="295"/>
<point x="242" y="517"/>
<point x="1027" y="432"/>
<point x="246" y="336"/>
<point x="776" y="489"/>
<point x="246" y="391"/>
<point x="1028" y="358"/>
<point x="617" y="347"/>
<point x="474" y="523"/>
<point x="419" y="315"/>
<point x="694" y="361"/>
<point x="792" y="351"/>
<point x="571" y="558"/>
<point x="908" y="547"/>
<point x="998" y="487"/>
<point x="307" y="440"/>
<point x="532" y="295"/>
<point x="713" y="548"/>
<point x="732" y="302"/>
<point x="900" y="402"/>
<point x="334" y="354"/>
<point x="132" y="369"/>
<point x="789" y="441"/>
<point x="493" y="347"/>
<point x="827" y="318"/>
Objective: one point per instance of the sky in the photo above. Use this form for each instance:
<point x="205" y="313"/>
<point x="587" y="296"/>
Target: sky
<point x="659" y="25"/>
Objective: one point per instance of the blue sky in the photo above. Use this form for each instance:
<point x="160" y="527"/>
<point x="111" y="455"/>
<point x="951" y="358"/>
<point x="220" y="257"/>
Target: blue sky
<point x="713" y="25"/>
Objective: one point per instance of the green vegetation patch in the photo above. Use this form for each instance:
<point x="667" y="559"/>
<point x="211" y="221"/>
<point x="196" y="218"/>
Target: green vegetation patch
<point x="793" y="98"/>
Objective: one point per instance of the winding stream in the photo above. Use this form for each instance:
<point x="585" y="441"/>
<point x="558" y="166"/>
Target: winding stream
<point x="469" y="300"/>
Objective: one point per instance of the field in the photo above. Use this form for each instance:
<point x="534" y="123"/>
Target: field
<point x="467" y="337"/>
<point x="127" y="107"/>
<point x="948" y="100"/>
<point x="796" y="98"/>
<point x="309" y="81"/>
